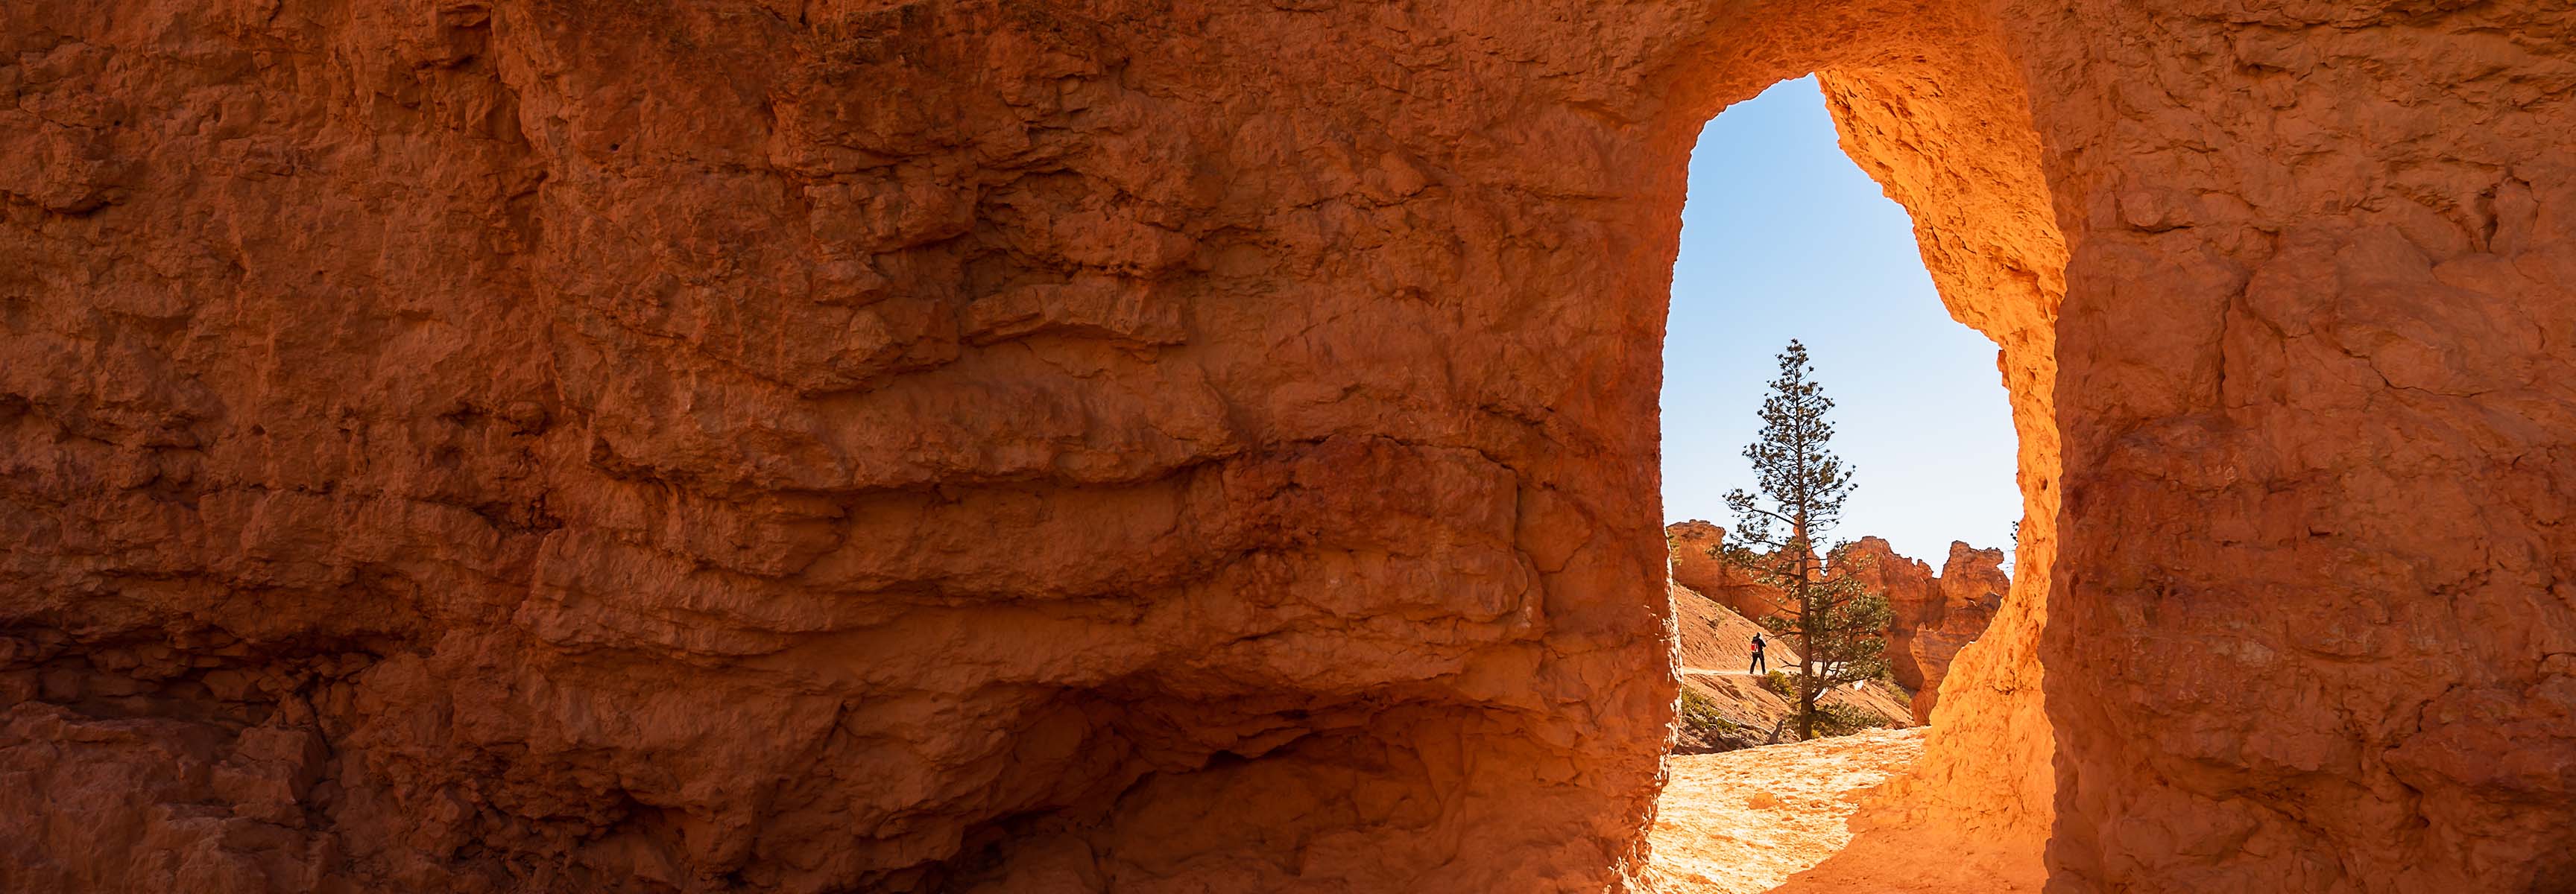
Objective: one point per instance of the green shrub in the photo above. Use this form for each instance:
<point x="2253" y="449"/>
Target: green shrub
<point x="1780" y="683"/>
<point x="1844" y="720"/>
<point x="1700" y="714"/>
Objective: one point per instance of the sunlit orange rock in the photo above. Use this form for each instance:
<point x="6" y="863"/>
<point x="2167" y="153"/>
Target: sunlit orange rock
<point x="1934" y="615"/>
<point x="1697" y="567"/>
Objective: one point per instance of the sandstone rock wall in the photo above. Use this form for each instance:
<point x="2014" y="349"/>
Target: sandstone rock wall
<point x="1973" y="582"/>
<point x="1944" y="125"/>
<point x="718" y="444"/>
<point x="2315" y="255"/>
<point x="2314" y="621"/>
<point x="736" y="445"/>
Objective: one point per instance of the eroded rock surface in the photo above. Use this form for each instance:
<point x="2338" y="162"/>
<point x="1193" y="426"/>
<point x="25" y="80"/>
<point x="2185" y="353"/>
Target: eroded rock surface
<point x="936" y="446"/>
<point x="568" y="445"/>
<point x="1935" y="615"/>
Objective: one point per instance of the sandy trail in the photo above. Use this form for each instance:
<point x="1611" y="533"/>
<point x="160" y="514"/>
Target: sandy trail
<point x="1686" y="671"/>
<point x="1744" y="821"/>
<point x="1717" y="672"/>
<point x="1710" y="671"/>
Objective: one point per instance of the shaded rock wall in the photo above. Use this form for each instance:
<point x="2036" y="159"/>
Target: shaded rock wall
<point x="568" y="445"/>
<point x="2315" y="257"/>
<point x="822" y="447"/>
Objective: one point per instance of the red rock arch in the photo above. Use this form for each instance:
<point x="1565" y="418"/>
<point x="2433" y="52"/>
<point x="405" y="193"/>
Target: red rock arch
<point x="1145" y="446"/>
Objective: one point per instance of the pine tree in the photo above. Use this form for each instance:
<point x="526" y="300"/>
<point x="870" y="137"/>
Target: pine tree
<point x="1839" y="625"/>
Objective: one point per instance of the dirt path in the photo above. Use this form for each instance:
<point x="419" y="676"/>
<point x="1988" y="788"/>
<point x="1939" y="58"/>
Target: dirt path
<point x="1743" y="821"/>
<point x="1687" y="671"/>
<point x="1714" y="672"/>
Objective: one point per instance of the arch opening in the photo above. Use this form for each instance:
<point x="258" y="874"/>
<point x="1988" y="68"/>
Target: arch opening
<point x="1938" y="119"/>
<point x="1785" y="239"/>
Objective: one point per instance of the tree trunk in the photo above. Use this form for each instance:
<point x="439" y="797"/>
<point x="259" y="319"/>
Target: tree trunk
<point x="1806" y="633"/>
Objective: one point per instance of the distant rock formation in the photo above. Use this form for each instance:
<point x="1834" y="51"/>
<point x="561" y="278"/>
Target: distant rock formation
<point x="1936" y="615"/>
<point x="1696" y="566"/>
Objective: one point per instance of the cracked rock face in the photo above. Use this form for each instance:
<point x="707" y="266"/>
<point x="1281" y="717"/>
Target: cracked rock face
<point x="567" y="445"/>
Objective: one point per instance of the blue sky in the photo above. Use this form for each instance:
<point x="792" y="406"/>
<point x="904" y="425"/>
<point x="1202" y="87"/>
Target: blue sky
<point x="1783" y="237"/>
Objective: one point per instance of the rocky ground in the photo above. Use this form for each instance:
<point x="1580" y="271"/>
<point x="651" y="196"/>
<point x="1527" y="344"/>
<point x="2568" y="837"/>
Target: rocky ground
<point x="1744" y="821"/>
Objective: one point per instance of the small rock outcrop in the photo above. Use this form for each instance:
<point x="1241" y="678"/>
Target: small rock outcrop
<point x="1697" y="566"/>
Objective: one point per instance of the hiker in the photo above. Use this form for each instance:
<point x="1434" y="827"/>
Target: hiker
<point x="1758" y="666"/>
